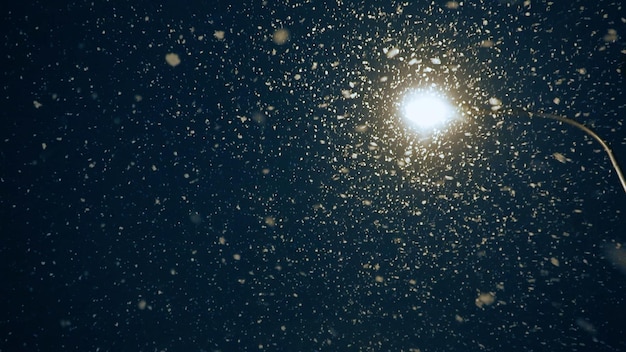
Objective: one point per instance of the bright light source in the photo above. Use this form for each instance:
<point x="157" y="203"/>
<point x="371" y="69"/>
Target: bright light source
<point x="426" y="111"/>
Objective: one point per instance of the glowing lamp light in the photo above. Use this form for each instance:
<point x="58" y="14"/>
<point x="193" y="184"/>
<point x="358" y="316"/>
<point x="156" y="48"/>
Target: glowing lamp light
<point x="426" y="111"/>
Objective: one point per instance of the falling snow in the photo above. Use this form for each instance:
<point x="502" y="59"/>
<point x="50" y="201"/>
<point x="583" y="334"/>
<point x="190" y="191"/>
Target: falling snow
<point x="236" y="176"/>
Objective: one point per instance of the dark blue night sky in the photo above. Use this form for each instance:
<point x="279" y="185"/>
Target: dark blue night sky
<point x="238" y="177"/>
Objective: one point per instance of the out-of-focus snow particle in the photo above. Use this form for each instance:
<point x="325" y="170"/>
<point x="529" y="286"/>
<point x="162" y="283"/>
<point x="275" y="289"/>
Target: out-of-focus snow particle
<point x="560" y="157"/>
<point x="616" y="254"/>
<point x="142" y="304"/>
<point x="495" y="103"/>
<point x="486" y="43"/>
<point x="556" y="101"/>
<point x="219" y="35"/>
<point x="361" y="128"/>
<point x="485" y="299"/>
<point x="555" y="261"/>
<point x="195" y="218"/>
<point x="452" y="5"/>
<point x="172" y="59"/>
<point x="258" y="117"/>
<point x="37" y="104"/>
<point x="281" y="36"/>
<point x="610" y="36"/>
<point x="393" y="52"/>
<point x="435" y="60"/>
<point x="585" y="325"/>
<point x="270" y="221"/>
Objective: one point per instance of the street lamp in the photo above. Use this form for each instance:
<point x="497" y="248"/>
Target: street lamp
<point x="429" y="110"/>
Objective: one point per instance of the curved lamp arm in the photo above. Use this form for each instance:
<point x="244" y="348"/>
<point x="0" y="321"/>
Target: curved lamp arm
<point x="587" y="130"/>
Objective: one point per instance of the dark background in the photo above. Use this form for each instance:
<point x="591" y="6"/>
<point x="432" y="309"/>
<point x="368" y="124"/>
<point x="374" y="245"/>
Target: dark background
<point x="266" y="196"/>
